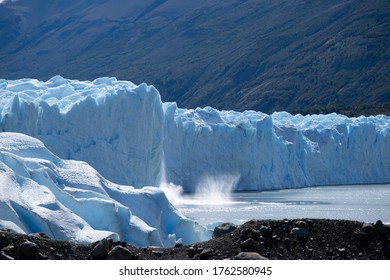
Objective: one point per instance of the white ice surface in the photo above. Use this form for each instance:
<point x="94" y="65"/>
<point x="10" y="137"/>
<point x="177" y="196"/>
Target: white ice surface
<point x="70" y="200"/>
<point x="114" y="126"/>
<point x="126" y="133"/>
<point x="275" y="151"/>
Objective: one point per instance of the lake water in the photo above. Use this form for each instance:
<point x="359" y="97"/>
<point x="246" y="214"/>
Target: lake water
<point x="356" y="202"/>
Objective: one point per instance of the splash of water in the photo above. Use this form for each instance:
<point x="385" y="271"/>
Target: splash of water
<point x="216" y="189"/>
<point x="211" y="189"/>
<point x="173" y="192"/>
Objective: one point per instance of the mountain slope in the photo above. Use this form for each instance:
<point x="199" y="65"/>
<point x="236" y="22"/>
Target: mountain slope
<point x="300" y="56"/>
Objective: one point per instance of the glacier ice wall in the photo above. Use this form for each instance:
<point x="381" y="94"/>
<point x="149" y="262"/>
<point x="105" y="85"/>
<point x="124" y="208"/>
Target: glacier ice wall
<point x="276" y="151"/>
<point x="115" y="126"/>
<point x="70" y="200"/>
<point x="127" y="133"/>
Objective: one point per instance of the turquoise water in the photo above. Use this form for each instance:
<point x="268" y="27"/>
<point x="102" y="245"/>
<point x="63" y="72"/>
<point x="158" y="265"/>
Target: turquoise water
<point x="355" y="202"/>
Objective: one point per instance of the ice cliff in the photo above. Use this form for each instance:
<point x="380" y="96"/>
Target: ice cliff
<point x="114" y="126"/>
<point x="70" y="200"/>
<point x="276" y="151"/>
<point x="126" y="133"/>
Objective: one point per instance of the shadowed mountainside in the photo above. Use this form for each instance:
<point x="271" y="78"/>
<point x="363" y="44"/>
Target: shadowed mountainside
<point x="294" y="55"/>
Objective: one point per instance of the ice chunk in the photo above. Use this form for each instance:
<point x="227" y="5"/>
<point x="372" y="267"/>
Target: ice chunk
<point x="70" y="200"/>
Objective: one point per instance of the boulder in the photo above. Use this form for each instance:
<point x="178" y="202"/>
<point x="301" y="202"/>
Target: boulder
<point x="300" y="232"/>
<point x="120" y="253"/>
<point x="4" y="256"/>
<point x="379" y="224"/>
<point x="245" y="234"/>
<point x="223" y="229"/>
<point x="249" y="256"/>
<point x="28" y="250"/>
<point x="205" y="254"/>
<point x="9" y="250"/>
<point x="266" y="231"/>
<point x="360" y="236"/>
<point x="249" y="244"/>
<point x="368" y="228"/>
<point x="301" y="224"/>
<point x="101" y="249"/>
<point x="381" y="228"/>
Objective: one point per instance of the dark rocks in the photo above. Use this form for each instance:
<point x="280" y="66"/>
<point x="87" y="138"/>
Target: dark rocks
<point x="255" y="234"/>
<point x="249" y="244"/>
<point x="59" y="256"/>
<point x="249" y="256"/>
<point x="158" y="253"/>
<point x="42" y="257"/>
<point x="205" y="254"/>
<point x="379" y="224"/>
<point x="381" y="228"/>
<point x="223" y="229"/>
<point x="9" y="250"/>
<point x="322" y="239"/>
<point x="286" y="241"/>
<point x="101" y="249"/>
<point x="300" y="232"/>
<point x="199" y="253"/>
<point x="266" y="232"/>
<point x="194" y="252"/>
<point x="28" y="250"/>
<point x="245" y="234"/>
<point x="301" y="224"/>
<point x="120" y="253"/>
<point x="250" y="233"/>
<point x="4" y="256"/>
<point x="286" y="225"/>
<point x="309" y="250"/>
<point x="360" y="236"/>
<point x="309" y="223"/>
<point x="342" y="252"/>
<point x="41" y="235"/>
<point x="368" y="228"/>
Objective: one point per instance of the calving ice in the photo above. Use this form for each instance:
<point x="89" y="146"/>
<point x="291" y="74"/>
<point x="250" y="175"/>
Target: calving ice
<point x="127" y="133"/>
<point x="76" y="157"/>
<point x="69" y="200"/>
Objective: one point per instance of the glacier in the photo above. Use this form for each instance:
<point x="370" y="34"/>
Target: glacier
<point x="101" y="123"/>
<point x="275" y="151"/>
<point x="69" y="200"/>
<point x="131" y="137"/>
<point x="83" y="160"/>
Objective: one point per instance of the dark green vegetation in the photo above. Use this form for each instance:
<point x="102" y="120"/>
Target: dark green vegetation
<point x="310" y="56"/>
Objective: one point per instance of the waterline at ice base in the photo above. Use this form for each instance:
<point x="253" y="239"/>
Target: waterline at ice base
<point x="69" y="200"/>
<point x="131" y="138"/>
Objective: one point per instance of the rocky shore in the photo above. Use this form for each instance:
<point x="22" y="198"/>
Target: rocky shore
<point x="311" y="239"/>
